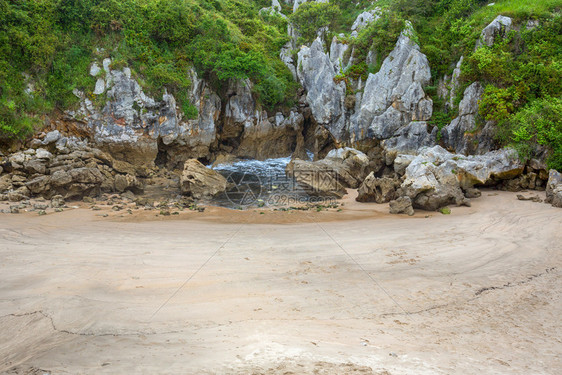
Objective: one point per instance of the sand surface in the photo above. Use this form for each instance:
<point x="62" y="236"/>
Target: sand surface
<point x="229" y="292"/>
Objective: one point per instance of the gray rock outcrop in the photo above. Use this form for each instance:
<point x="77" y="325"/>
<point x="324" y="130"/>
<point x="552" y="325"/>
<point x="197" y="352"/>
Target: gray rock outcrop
<point x="394" y="97"/>
<point x="72" y="170"/>
<point x="436" y="178"/>
<point x="137" y="129"/>
<point x="463" y="134"/>
<point x="363" y="20"/>
<point x="500" y="26"/>
<point x="271" y="137"/>
<point x="448" y="86"/>
<point x="411" y="138"/>
<point x="325" y="97"/>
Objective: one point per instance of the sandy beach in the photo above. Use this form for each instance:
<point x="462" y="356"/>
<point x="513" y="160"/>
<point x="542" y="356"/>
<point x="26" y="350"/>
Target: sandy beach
<point x="356" y="291"/>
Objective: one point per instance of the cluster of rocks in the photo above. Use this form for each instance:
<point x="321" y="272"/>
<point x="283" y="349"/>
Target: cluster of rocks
<point x="430" y="180"/>
<point x="41" y="206"/>
<point x="64" y="166"/>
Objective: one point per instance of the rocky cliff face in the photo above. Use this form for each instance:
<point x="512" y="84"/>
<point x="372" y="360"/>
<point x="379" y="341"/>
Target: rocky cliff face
<point x="324" y="96"/>
<point x="141" y="130"/>
<point x="393" y="104"/>
<point x="394" y="96"/>
<point x="390" y="107"/>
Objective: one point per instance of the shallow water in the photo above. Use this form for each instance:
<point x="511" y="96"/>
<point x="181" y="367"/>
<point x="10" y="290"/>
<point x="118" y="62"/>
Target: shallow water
<point x="255" y="183"/>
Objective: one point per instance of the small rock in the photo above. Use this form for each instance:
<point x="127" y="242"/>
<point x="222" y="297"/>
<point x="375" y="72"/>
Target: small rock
<point x="14" y="210"/>
<point x="41" y="153"/>
<point x="402" y="205"/>
<point x="88" y="200"/>
<point x="533" y="198"/>
<point x="94" y="70"/>
<point x="51" y="137"/>
<point x="42" y="212"/>
<point x="57" y="201"/>
<point x="472" y="193"/>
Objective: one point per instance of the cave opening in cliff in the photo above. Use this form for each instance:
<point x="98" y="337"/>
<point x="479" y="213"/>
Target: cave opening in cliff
<point x="162" y="156"/>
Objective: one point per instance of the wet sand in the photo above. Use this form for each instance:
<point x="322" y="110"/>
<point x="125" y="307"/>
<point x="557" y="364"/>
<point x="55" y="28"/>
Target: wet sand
<point x="303" y="292"/>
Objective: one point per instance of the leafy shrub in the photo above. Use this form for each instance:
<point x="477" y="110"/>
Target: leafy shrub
<point x="54" y="42"/>
<point x="537" y="124"/>
<point x="312" y="16"/>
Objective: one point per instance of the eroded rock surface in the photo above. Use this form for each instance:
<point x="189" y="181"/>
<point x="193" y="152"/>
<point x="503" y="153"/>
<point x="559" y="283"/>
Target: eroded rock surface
<point x="72" y="169"/>
<point x="394" y="97"/>
<point x="340" y="169"/>
<point x="554" y="188"/>
<point x="325" y="97"/>
<point x="379" y="190"/>
<point x="436" y="177"/>
<point x="199" y="181"/>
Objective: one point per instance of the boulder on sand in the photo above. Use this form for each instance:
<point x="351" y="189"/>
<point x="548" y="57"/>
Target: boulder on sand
<point x="437" y="178"/>
<point x="379" y="190"/>
<point x="342" y="168"/>
<point x="199" y="181"/>
<point x="554" y="188"/>
<point x="402" y="205"/>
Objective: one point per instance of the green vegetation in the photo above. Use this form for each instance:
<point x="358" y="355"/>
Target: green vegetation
<point x="445" y="210"/>
<point x="47" y="46"/>
<point x="54" y="42"/>
<point x="520" y="73"/>
<point x="539" y="123"/>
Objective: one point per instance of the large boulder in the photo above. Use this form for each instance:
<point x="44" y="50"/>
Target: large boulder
<point x="554" y="188"/>
<point x="340" y="169"/>
<point x="127" y="182"/>
<point x="350" y="164"/>
<point x="316" y="179"/>
<point x="199" y="181"/>
<point x="436" y="177"/>
<point x="379" y="190"/>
